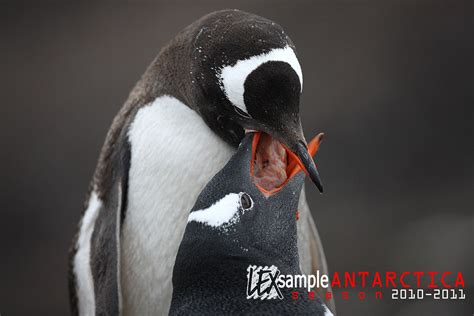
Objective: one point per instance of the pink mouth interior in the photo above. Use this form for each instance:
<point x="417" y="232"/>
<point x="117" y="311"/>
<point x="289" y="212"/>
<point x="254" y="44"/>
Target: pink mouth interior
<point x="270" y="163"/>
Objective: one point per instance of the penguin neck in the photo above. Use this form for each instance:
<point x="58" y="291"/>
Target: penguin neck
<point x="220" y="262"/>
<point x="171" y="73"/>
<point x="253" y="250"/>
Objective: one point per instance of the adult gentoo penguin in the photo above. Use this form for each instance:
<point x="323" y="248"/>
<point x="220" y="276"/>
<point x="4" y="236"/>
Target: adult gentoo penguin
<point x="228" y="72"/>
<point x="232" y="230"/>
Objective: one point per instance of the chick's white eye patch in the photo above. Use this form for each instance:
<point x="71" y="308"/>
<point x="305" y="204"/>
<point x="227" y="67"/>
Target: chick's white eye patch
<point x="224" y="212"/>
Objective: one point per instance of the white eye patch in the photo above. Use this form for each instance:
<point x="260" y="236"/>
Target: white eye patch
<point x="233" y="77"/>
<point x="223" y="212"/>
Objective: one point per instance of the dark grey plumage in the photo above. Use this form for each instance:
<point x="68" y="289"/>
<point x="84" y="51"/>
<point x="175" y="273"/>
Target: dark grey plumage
<point x="209" y="276"/>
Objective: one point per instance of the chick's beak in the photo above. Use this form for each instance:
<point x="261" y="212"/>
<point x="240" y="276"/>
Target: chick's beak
<point x="291" y="136"/>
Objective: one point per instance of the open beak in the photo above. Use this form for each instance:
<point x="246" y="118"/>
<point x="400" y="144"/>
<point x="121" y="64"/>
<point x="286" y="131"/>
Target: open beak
<point x="290" y="135"/>
<point x="266" y="162"/>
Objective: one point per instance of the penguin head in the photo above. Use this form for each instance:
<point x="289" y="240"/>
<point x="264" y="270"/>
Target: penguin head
<point x="233" y="217"/>
<point x="246" y="77"/>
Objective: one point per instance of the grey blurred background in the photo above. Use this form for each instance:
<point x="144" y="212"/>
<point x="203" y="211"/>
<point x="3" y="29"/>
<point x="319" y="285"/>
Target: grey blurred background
<point x="390" y="83"/>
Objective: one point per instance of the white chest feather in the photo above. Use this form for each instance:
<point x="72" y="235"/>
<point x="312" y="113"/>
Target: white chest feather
<point x="173" y="156"/>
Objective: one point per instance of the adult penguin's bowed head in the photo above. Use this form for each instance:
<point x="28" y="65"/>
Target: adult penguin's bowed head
<point x="227" y="73"/>
<point x="234" y="227"/>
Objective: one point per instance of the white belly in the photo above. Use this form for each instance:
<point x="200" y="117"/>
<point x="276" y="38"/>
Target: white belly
<point x="173" y="156"/>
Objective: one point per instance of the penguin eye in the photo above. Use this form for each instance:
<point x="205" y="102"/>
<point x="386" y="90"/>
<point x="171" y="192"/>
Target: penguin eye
<point x="245" y="201"/>
<point x="242" y="112"/>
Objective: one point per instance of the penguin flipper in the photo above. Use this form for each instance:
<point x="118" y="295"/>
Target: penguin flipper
<point x="94" y="256"/>
<point x="319" y="260"/>
<point x="94" y="265"/>
<point x="314" y="247"/>
<point x="105" y="255"/>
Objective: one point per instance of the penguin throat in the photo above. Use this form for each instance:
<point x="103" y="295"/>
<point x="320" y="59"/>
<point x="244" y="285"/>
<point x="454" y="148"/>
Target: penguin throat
<point x="273" y="164"/>
<point x="270" y="163"/>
